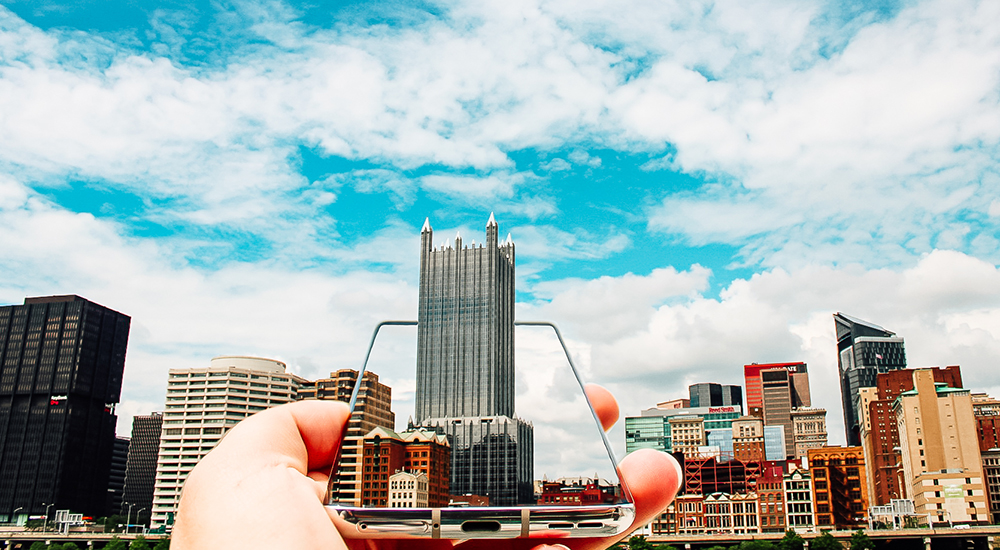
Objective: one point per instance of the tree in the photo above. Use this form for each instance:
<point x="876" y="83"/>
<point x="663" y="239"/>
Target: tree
<point x="116" y="544"/>
<point x="860" y="541"/>
<point x="825" y="542"/>
<point x="791" y="541"/>
<point x="139" y="544"/>
<point x="37" y="545"/>
<point x="756" y="545"/>
<point x="70" y="546"/>
<point x="162" y="544"/>
<point x="639" y="542"/>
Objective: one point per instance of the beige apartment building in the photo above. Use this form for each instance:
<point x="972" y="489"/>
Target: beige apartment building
<point x="203" y="404"/>
<point x="687" y="433"/>
<point x="941" y="459"/>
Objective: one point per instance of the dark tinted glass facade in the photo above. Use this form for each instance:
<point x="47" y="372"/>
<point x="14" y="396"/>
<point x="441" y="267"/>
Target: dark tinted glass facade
<point x="61" y="365"/>
<point x="715" y="395"/>
<point x="465" y="366"/>
<point x="140" y="470"/>
<point x="116" y="477"/>
<point x="863" y="351"/>
<point x="465" y="330"/>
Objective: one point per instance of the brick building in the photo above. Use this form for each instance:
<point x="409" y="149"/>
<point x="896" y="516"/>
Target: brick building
<point x="840" y="489"/>
<point x="386" y="452"/>
<point x="771" y="497"/>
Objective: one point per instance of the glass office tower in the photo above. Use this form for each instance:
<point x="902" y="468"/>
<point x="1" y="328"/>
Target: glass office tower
<point x="863" y="351"/>
<point x="465" y="365"/>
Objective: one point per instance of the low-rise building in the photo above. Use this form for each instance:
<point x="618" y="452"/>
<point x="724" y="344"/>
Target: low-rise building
<point x="840" y="490"/>
<point x="408" y="490"/>
<point x="731" y="513"/>
<point x="386" y="452"/>
<point x="798" y="501"/>
<point x="808" y="430"/>
<point x="771" y="497"/>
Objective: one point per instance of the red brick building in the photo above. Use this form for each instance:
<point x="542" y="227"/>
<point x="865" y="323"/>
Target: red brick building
<point x="386" y="452"/>
<point x="771" y="497"/>
<point x="555" y="493"/>
<point x="840" y="492"/>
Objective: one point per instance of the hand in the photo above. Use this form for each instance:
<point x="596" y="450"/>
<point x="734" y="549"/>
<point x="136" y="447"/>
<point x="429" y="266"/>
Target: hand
<point x="265" y="483"/>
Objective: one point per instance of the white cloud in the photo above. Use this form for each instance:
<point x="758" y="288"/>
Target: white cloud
<point x="947" y="307"/>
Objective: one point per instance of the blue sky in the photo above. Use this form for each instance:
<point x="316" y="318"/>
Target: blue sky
<point x="690" y="186"/>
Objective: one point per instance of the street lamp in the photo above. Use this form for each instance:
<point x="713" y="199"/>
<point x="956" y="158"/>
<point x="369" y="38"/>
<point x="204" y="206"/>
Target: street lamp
<point x="14" y="513"/>
<point x="45" y="523"/>
<point x="139" y="513"/>
<point x="128" y="518"/>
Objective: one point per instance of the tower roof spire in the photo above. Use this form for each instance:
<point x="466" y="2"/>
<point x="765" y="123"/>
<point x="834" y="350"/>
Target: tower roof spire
<point x="492" y="221"/>
<point x="427" y="225"/>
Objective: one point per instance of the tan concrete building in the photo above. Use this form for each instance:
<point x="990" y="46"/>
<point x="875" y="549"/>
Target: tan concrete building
<point x="777" y="398"/>
<point x="372" y="410"/>
<point x="203" y="404"/>
<point x="408" y="490"/>
<point x="748" y="439"/>
<point x="809" y="430"/>
<point x="687" y="433"/>
<point x="942" y="463"/>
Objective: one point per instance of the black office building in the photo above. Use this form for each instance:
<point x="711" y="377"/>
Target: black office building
<point x="140" y="471"/>
<point x="116" y="477"/>
<point x="863" y="351"/>
<point x="61" y="365"/>
<point x="715" y="395"/>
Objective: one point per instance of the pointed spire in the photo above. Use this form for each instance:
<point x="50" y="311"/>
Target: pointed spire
<point x="458" y="235"/>
<point x="427" y="225"/>
<point x="492" y="221"/>
<point x="508" y="241"/>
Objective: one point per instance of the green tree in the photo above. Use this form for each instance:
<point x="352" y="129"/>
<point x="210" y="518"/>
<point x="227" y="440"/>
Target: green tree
<point x="757" y="545"/>
<point x="116" y="544"/>
<point x="791" y="541"/>
<point x="70" y="546"/>
<point x="139" y="544"/>
<point x="860" y="541"/>
<point x="639" y="542"/>
<point x="37" y="545"/>
<point x="825" y="542"/>
<point x="162" y="544"/>
<point x="55" y="546"/>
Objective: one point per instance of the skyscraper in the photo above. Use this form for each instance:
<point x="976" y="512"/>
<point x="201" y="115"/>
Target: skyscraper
<point x="798" y="376"/>
<point x="863" y="350"/>
<point x="777" y="393"/>
<point x="61" y="365"/>
<point x="140" y="468"/>
<point x="203" y="404"/>
<point x="465" y="328"/>
<point x="465" y="365"/>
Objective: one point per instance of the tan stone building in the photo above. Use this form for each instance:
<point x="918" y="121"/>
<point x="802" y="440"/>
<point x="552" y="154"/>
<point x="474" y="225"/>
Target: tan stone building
<point x="687" y="433"/>
<point x="942" y="463"/>
<point x="748" y="439"/>
<point x="809" y="430"/>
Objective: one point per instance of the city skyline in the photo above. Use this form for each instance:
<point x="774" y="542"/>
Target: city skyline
<point x="691" y="190"/>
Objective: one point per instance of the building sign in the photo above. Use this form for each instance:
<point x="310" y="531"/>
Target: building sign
<point x="713" y="410"/>
<point x="57" y="399"/>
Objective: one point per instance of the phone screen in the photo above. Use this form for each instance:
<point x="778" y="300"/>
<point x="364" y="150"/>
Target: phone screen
<point x="439" y="422"/>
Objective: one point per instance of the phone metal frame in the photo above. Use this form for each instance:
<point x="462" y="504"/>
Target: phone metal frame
<point x="483" y="522"/>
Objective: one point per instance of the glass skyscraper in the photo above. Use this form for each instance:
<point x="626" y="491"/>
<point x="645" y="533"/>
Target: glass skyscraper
<point x="863" y="351"/>
<point x="465" y="365"/>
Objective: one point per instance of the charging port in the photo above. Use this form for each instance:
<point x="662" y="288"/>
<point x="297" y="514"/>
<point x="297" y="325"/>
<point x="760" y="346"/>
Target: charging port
<point x="480" y="526"/>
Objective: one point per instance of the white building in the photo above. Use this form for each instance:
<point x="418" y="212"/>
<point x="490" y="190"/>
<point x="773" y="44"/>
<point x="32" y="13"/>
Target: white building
<point x="408" y="490"/>
<point x="799" y="513"/>
<point x="202" y="405"/>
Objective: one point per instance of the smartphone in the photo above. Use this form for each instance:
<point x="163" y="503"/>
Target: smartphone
<point x="483" y="443"/>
